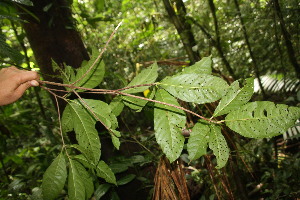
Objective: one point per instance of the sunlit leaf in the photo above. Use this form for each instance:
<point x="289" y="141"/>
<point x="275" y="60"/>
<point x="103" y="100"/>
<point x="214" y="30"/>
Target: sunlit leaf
<point x="76" y="185"/>
<point x="201" y="67"/>
<point x="146" y="76"/>
<point x="218" y="144"/>
<point x="168" y="125"/>
<point x="235" y="97"/>
<point x="195" y="88"/>
<point x="54" y="178"/>
<point x="198" y="141"/>
<point x="262" y="119"/>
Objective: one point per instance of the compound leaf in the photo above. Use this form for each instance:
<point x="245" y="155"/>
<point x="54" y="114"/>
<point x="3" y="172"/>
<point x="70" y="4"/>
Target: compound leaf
<point x="54" y="178"/>
<point x="76" y="186"/>
<point x="262" y="119"/>
<point x="105" y="172"/>
<point x="198" y="141"/>
<point x="235" y="97"/>
<point x="195" y="88"/>
<point x="168" y="125"/>
<point x="218" y="144"/>
<point x="147" y="76"/>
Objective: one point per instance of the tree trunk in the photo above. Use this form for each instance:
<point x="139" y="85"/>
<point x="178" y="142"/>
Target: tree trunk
<point x="183" y="28"/>
<point x="244" y="30"/>
<point x="52" y="35"/>
<point x="218" y="40"/>
<point x="287" y="39"/>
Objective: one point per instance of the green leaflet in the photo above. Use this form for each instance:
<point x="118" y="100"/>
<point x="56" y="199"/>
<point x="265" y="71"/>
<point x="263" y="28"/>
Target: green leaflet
<point x="86" y="179"/>
<point x="76" y="184"/>
<point x="85" y="152"/>
<point x="235" y="97"/>
<point x="201" y="67"/>
<point x="115" y="138"/>
<point x="116" y="105"/>
<point x="103" y="112"/>
<point x="102" y="190"/>
<point x="95" y="75"/>
<point x="105" y="172"/>
<point x="54" y="178"/>
<point x="85" y="162"/>
<point x="168" y="125"/>
<point x="147" y="76"/>
<point x="76" y="117"/>
<point x="126" y="179"/>
<point x="198" y="141"/>
<point x="218" y="144"/>
<point x="262" y="119"/>
<point x="195" y="88"/>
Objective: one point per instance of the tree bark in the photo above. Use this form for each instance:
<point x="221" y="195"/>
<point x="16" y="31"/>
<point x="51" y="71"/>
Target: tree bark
<point x="183" y="28"/>
<point x="52" y="36"/>
<point x="217" y="42"/>
<point x="244" y="30"/>
<point x="287" y="39"/>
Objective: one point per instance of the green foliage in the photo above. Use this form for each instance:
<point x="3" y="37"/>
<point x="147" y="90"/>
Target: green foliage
<point x="262" y="119"/>
<point x="168" y="125"/>
<point x="54" y="178"/>
<point x="195" y="88"/>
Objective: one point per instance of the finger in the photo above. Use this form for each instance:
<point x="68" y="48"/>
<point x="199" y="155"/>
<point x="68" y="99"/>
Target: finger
<point x="26" y="76"/>
<point x="22" y="88"/>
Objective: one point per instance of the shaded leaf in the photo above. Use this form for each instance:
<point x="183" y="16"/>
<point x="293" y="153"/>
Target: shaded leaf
<point x="135" y="103"/>
<point x="76" y="117"/>
<point x="105" y="172"/>
<point x="101" y="190"/>
<point x="235" y="97"/>
<point x="218" y="144"/>
<point x="198" y="141"/>
<point x="115" y="138"/>
<point x="7" y="51"/>
<point x="168" y="125"/>
<point x="76" y="187"/>
<point x="54" y="178"/>
<point x="262" y="119"/>
<point x="126" y="179"/>
<point x="195" y="88"/>
<point x="116" y="105"/>
<point x="146" y="76"/>
<point x="86" y="179"/>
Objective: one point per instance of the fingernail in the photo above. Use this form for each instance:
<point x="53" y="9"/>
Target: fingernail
<point x="34" y="83"/>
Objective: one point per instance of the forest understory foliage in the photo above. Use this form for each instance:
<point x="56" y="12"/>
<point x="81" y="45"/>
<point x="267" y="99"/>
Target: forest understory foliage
<point x="144" y="118"/>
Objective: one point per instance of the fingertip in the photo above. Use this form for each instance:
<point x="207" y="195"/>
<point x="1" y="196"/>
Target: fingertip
<point x="34" y="83"/>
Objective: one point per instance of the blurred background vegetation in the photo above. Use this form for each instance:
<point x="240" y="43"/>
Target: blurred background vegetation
<point x="245" y="38"/>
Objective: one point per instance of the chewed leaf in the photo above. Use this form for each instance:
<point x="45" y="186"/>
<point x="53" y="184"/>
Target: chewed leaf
<point x="235" y="97"/>
<point x="84" y="126"/>
<point x="218" y="144"/>
<point x="95" y="76"/>
<point x="201" y="67"/>
<point x="76" y="187"/>
<point x="105" y="172"/>
<point x="195" y="88"/>
<point x="198" y="140"/>
<point x="146" y="76"/>
<point x="262" y="119"/>
<point x="54" y="178"/>
<point x="168" y="125"/>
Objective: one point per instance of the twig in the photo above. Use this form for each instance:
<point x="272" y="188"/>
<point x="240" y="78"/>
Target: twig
<point x="100" y="55"/>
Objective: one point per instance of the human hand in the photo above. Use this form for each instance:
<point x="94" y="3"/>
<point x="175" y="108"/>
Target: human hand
<point x="14" y="82"/>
